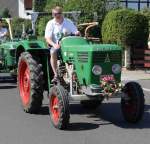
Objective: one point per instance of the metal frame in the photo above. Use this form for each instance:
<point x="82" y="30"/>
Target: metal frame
<point x="139" y="2"/>
<point x="35" y="15"/>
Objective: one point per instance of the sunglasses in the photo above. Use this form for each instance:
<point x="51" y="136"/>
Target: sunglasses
<point x="55" y="14"/>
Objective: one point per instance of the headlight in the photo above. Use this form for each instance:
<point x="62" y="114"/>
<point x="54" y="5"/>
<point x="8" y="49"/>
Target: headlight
<point x="116" y="68"/>
<point x="97" y="70"/>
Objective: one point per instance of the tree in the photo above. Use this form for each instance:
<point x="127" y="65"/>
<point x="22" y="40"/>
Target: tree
<point x="91" y="10"/>
<point x="39" y="5"/>
<point x="5" y="13"/>
<point x="127" y="28"/>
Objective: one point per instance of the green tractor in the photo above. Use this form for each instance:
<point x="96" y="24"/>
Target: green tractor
<point x="11" y="49"/>
<point x="88" y="72"/>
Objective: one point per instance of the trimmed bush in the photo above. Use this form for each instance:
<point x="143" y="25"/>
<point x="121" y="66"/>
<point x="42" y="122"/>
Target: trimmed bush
<point x="146" y="12"/>
<point x="125" y="27"/>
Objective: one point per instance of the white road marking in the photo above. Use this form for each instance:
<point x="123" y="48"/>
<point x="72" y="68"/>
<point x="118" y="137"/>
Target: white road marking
<point x="145" y="89"/>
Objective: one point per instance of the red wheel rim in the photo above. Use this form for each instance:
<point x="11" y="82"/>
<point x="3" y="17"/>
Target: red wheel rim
<point x="24" y="82"/>
<point x="55" y="109"/>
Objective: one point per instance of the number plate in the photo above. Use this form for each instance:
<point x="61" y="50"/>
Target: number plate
<point x="107" y="77"/>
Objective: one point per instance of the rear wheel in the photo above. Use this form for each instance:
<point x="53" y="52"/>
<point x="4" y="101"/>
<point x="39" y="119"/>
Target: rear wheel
<point x="132" y="103"/>
<point x="30" y="82"/>
<point x="59" y="107"/>
<point x="91" y="104"/>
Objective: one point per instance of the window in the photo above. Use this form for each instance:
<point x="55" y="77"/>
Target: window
<point x="28" y="4"/>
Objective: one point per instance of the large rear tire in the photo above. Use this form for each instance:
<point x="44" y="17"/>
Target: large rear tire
<point x="30" y="82"/>
<point x="59" y="107"/>
<point x="132" y="104"/>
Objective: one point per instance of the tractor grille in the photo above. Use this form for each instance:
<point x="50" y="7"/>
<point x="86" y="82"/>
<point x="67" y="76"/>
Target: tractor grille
<point x="13" y="52"/>
<point x="115" y="57"/>
<point x="82" y="57"/>
<point x="99" y="57"/>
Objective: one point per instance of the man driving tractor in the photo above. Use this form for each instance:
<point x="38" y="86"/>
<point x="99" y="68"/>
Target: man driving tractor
<point x="3" y="31"/>
<point x="55" y="30"/>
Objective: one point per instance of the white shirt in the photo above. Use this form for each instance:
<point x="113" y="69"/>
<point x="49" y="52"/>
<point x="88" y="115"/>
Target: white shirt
<point x="55" y="30"/>
<point x="2" y="32"/>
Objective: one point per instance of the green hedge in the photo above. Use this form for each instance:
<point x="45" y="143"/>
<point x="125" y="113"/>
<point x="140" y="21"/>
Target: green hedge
<point x="39" y="5"/>
<point x="17" y="26"/>
<point x="41" y="25"/>
<point x="146" y="12"/>
<point x="126" y="28"/>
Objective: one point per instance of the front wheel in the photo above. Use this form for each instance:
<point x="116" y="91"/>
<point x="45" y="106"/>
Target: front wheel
<point x="132" y="103"/>
<point x="59" y="107"/>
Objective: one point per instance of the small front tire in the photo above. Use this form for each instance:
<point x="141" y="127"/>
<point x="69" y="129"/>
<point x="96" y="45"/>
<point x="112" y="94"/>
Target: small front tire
<point x="59" y="107"/>
<point x="133" y="105"/>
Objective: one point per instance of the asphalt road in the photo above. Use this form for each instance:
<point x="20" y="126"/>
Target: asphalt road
<point x="103" y="126"/>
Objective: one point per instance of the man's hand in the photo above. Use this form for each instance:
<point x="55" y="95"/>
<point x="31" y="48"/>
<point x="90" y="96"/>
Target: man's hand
<point x="78" y="33"/>
<point x="56" y="46"/>
<point x="51" y="43"/>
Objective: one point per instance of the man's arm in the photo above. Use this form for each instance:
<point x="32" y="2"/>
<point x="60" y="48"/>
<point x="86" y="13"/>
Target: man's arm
<point x="48" y="35"/>
<point x="5" y="33"/>
<point x="50" y="42"/>
<point x="74" y="29"/>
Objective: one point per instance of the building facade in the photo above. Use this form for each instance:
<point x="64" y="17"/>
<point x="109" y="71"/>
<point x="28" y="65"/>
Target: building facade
<point x="25" y="7"/>
<point x="134" y="4"/>
<point x="11" y="5"/>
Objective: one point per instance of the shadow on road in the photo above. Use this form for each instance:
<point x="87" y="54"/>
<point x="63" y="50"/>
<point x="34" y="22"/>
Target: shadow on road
<point x="44" y="110"/>
<point x="111" y="113"/>
<point x="106" y="114"/>
<point x="82" y="126"/>
<point x="7" y="82"/>
<point x="7" y="87"/>
<point x="7" y="79"/>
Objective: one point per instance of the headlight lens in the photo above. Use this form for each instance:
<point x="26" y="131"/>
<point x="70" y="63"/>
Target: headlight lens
<point x="116" y="68"/>
<point x="97" y="70"/>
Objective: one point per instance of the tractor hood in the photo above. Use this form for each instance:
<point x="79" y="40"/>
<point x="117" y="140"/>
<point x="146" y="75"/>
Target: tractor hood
<point x="26" y="44"/>
<point x="32" y="44"/>
<point x="9" y="45"/>
<point x="86" y="56"/>
<point x="81" y="44"/>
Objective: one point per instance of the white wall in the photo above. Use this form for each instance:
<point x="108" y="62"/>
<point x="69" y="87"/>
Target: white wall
<point x="22" y="11"/>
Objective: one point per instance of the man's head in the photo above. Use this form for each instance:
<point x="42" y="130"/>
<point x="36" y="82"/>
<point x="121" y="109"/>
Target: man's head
<point x="57" y="12"/>
<point x="0" y="22"/>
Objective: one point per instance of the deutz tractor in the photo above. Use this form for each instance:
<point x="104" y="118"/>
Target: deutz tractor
<point x="88" y="72"/>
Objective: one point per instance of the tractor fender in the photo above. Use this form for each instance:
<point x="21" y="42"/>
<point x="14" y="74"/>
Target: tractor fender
<point x="44" y="57"/>
<point x="19" y="50"/>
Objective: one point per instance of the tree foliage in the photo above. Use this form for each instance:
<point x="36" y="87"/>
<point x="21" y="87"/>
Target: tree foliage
<point x="5" y="13"/>
<point x="17" y="26"/>
<point x="125" y="27"/>
<point x="39" y="5"/>
<point x="146" y="12"/>
<point x="91" y="10"/>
